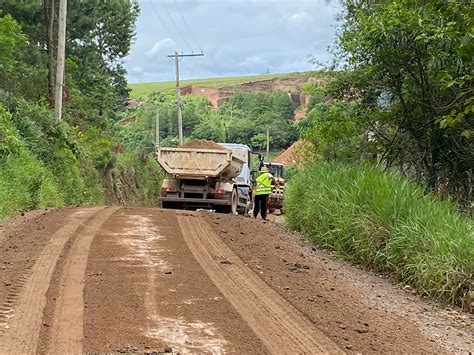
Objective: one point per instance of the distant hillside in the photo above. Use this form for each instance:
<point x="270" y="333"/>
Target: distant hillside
<point x="142" y="89"/>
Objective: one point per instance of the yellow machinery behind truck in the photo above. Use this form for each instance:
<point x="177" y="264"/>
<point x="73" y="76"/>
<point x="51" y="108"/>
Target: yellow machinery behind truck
<point x="275" y="200"/>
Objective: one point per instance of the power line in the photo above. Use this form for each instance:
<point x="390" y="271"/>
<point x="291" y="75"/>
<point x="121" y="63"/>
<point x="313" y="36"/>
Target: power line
<point x="161" y="20"/>
<point x="177" y="28"/>
<point x="140" y="79"/>
<point x="187" y="26"/>
<point x="177" y="57"/>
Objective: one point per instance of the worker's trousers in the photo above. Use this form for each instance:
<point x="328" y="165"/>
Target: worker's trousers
<point x="260" y="205"/>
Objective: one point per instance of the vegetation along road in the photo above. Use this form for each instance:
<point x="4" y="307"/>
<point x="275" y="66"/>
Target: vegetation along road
<point x="102" y="279"/>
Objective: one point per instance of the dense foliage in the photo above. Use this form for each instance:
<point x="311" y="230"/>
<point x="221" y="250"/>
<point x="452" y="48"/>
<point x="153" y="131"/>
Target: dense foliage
<point x="386" y="222"/>
<point x="405" y="96"/>
<point x="394" y="133"/>
<point x="74" y="162"/>
<point x="243" y="119"/>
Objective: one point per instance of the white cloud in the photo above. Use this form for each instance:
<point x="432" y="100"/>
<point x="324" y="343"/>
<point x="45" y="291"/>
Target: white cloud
<point x="300" y="18"/>
<point x="160" y="47"/>
<point x="238" y="37"/>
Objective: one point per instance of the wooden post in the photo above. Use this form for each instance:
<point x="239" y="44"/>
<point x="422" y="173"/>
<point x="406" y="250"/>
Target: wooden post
<point x="157" y="131"/>
<point x="59" y="83"/>
<point x="268" y="144"/>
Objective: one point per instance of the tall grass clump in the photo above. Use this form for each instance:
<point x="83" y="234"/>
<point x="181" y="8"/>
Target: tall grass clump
<point x="386" y="222"/>
<point x="25" y="183"/>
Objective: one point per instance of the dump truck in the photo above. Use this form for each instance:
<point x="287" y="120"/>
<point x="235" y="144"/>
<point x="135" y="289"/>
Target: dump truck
<point x="205" y="174"/>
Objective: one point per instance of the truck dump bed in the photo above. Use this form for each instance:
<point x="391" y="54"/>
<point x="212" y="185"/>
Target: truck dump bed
<point x="199" y="162"/>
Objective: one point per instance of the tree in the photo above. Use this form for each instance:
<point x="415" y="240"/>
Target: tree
<point x="99" y="35"/>
<point x="212" y="127"/>
<point x="282" y="104"/>
<point x="18" y="59"/>
<point x="333" y="131"/>
<point x="410" y="74"/>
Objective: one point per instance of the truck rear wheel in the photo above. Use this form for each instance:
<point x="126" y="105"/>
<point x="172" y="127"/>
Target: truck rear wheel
<point x="234" y="199"/>
<point x="232" y="208"/>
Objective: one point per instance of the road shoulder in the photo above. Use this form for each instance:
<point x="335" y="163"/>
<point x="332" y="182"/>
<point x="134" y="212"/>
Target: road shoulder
<point x="360" y="311"/>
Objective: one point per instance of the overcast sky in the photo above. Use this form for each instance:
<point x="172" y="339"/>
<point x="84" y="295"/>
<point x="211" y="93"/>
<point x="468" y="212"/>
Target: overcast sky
<point x="238" y="37"/>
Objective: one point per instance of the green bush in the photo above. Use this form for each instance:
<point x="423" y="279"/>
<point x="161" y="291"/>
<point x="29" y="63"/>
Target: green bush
<point x="383" y="221"/>
<point x="43" y="165"/>
<point x="25" y="183"/>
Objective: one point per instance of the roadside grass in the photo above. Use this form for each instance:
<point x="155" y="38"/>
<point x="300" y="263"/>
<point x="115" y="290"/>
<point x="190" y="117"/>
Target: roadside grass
<point x="25" y="183"/>
<point x="143" y="89"/>
<point x="385" y="222"/>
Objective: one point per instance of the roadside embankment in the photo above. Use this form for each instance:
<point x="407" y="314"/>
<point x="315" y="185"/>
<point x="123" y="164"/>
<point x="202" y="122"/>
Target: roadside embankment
<point x="387" y="223"/>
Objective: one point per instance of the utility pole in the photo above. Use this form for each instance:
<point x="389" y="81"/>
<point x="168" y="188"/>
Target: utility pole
<point x="268" y="144"/>
<point x="157" y="129"/>
<point x="58" y="86"/>
<point x="176" y="57"/>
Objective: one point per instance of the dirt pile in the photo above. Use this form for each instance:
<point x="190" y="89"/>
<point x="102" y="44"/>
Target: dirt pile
<point x="295" y="154"/>
<point x="202" y="144"/>
<point x="287" y="156"/>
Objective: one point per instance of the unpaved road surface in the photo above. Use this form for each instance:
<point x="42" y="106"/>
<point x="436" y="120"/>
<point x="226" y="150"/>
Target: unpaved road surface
<point x="111" y="279"/>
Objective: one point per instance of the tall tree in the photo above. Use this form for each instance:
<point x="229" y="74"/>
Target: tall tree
<point x="410" y="70"/>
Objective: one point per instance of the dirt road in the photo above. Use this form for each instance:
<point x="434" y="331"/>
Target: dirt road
<point x="110" y="279"/>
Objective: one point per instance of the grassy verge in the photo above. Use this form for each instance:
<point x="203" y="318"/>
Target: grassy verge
<point x="25" y="183"/>
<point x="385" y="222"/>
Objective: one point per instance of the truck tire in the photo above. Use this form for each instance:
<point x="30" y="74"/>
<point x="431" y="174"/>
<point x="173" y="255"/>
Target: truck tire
<point x="232" y="208"/>
<point x="234" y="199"/>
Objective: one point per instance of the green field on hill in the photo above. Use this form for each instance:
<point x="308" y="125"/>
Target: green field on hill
<point x="142" y="89"/>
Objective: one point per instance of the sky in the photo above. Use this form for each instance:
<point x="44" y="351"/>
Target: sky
<point x="237" y="37"/>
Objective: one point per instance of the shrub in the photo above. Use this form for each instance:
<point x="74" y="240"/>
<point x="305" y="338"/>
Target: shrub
<point x="382" y="220"/>
<point x="25" y="183"/>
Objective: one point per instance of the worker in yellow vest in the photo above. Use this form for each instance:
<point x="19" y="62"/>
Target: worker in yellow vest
<point x="263" y="189"/>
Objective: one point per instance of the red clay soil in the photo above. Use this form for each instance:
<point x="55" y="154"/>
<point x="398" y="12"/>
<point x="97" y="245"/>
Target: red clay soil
<point x="152" y="280"/>
<point x="140" y="265"/>
<point x="202" y="144"/>
<point x="21" y="241"/>
<point x="300" y="113"/>
<point x="360" y="311"/>
<point x="287" y="157"/>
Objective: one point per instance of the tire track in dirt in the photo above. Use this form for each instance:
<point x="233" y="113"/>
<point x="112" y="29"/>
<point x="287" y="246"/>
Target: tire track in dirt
<point x="275" y="321"/>
<point x="67" y="326"/>
<point x="146" y="293"/>
<point x="23" y="328"/>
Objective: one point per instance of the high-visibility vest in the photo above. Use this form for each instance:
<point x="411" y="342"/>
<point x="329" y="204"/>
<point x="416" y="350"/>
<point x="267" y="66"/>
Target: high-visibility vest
<point x="264" y="184"/>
